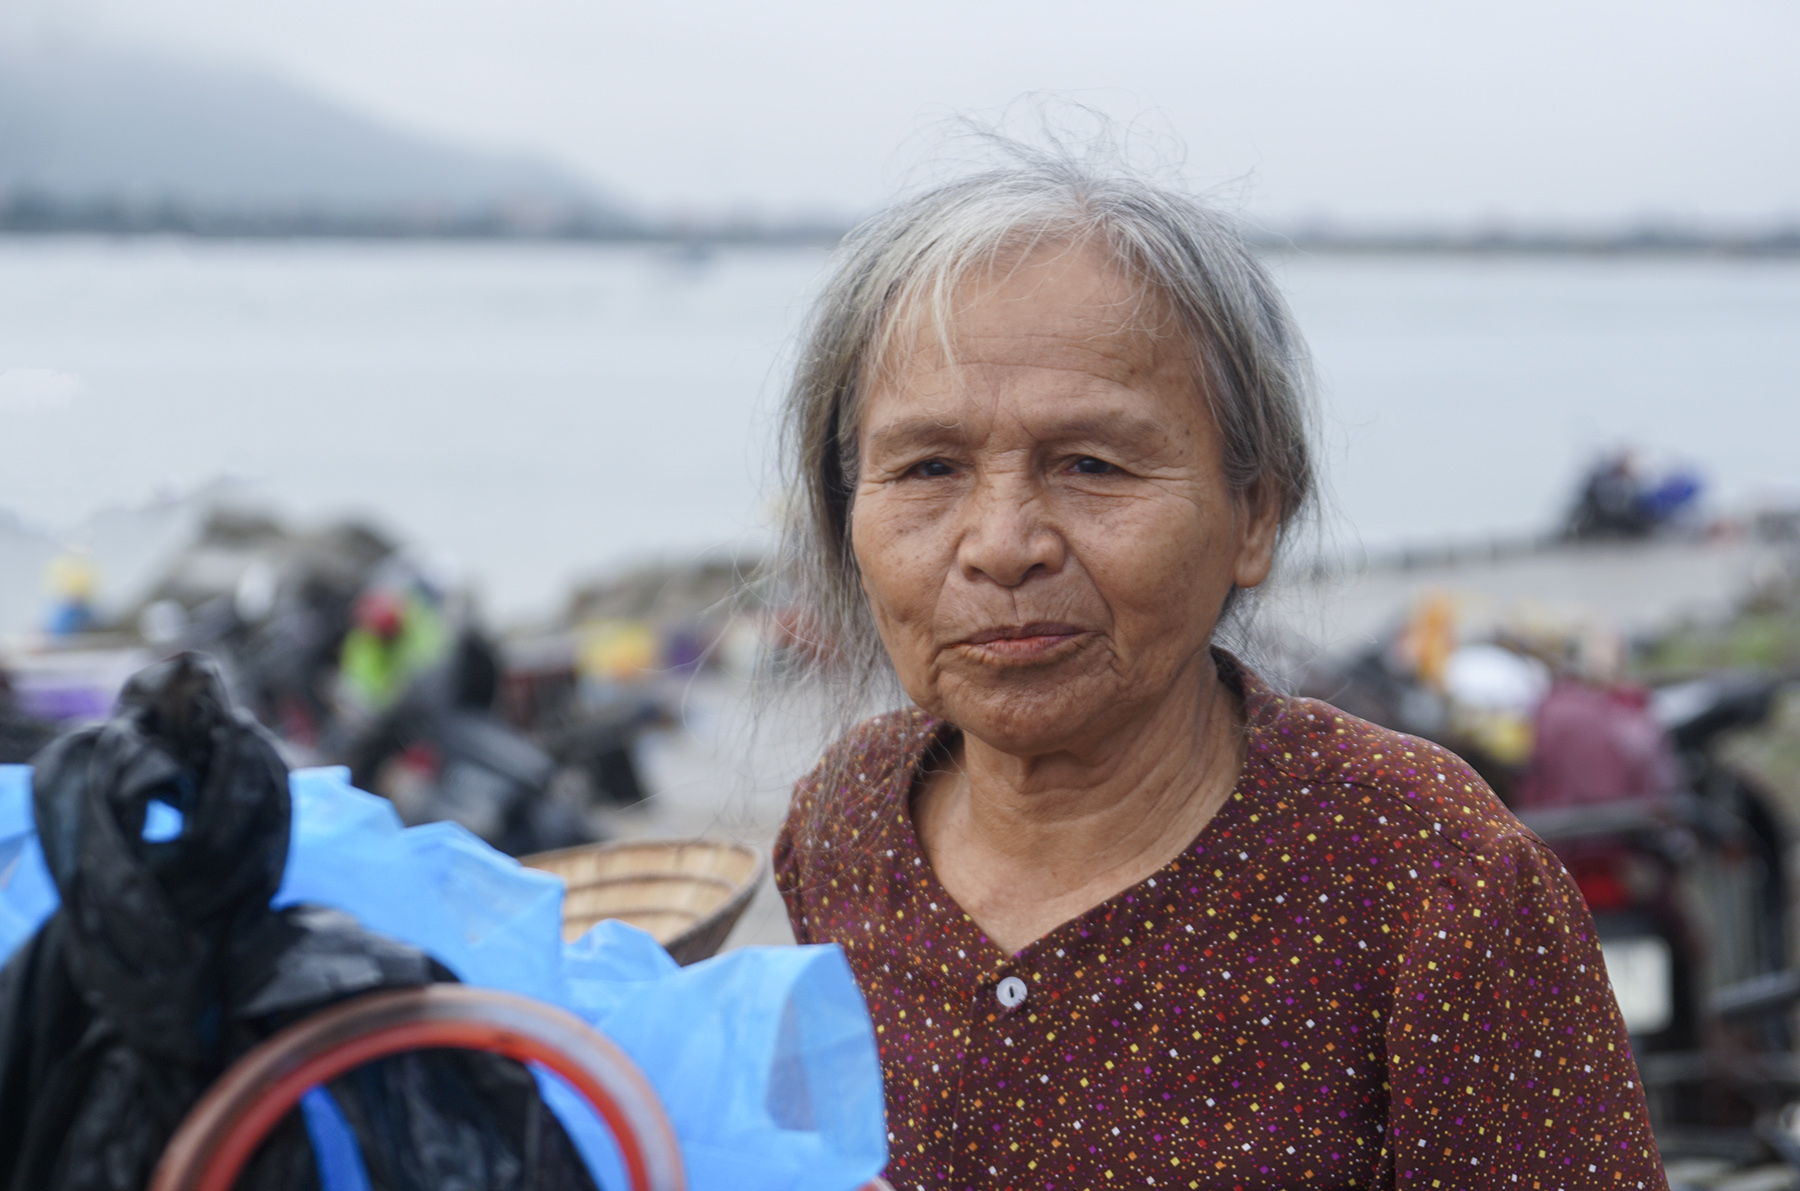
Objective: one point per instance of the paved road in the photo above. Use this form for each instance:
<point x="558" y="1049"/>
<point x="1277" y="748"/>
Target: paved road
<point x="1635" y="587"/>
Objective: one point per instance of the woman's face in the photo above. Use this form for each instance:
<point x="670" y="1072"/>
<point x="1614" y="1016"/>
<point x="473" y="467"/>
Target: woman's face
<point x="1043" y="524"/>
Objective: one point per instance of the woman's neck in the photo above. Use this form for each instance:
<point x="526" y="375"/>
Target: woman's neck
<point x="1026" y="843"/>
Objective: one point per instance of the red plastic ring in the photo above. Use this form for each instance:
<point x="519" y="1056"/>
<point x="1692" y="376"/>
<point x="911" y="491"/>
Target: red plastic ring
<point x="222" y="1131"/>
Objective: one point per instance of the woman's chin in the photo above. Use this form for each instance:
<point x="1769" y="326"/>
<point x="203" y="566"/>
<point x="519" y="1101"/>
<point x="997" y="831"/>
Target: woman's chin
<point x="1029" y="715"/>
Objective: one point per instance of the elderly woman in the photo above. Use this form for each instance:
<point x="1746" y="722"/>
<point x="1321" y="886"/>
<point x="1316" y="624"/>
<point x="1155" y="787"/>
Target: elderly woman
<point x="1124" y="915"/>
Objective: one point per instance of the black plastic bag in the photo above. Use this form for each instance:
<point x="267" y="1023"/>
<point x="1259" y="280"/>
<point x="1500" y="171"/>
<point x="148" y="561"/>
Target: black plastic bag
<point x="165" y="963"/>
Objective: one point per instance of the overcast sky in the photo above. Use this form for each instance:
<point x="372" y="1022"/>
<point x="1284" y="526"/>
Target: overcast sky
<point x="1360" y="110"/>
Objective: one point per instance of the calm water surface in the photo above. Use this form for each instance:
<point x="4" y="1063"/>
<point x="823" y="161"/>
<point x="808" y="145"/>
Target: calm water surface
<point x="536" y="412"/>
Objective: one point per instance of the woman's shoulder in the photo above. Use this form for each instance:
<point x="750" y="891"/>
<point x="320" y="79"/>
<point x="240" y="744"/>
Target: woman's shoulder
<point x="1404" y="786"/>
<point x="860" y="777"/>
<point x="874" y="751"/>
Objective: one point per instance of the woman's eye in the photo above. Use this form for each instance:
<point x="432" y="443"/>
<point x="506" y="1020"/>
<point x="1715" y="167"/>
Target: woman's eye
<point x="931" y="468"/>
<point x="1087" y="465"/>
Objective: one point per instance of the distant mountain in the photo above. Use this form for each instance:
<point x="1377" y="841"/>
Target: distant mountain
<point x="106" y="128"/>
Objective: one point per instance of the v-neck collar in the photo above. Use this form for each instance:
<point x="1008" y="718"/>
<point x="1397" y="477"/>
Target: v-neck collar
<point x="1121" y="921"/>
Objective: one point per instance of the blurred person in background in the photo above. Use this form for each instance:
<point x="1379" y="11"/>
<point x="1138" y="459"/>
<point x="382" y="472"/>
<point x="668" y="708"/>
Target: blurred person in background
<point x="397" y="633"/>
<point x="1124" y="914"/>
<point x="1619" y="500"/>
<point x="71" y="579"/>
<point x="1594" y="737"/>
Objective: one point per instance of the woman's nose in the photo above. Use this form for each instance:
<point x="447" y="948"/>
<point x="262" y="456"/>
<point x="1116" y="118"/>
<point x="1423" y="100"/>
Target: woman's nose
<point x="1005" y="537"/>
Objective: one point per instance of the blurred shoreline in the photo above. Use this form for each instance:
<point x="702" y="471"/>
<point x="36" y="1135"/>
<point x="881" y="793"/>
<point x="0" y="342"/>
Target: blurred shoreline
<point x="27" y="213"/>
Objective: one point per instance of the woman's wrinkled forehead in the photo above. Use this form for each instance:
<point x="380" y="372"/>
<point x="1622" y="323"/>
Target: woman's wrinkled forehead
<point x="1094" y="312"/>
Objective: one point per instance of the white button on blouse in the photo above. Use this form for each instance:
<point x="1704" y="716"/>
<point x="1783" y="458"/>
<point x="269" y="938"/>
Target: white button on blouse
<point x="1011" y="992"/>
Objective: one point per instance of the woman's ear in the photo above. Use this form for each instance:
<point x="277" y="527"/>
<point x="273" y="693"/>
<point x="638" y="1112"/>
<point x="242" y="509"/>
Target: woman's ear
<point x="1258" y="529"/>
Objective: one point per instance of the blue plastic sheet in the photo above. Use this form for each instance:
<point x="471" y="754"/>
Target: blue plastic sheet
<point x="764" y="1058"/>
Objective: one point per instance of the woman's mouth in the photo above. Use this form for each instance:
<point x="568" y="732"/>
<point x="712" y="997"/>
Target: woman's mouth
<point x="1022" y="642"/>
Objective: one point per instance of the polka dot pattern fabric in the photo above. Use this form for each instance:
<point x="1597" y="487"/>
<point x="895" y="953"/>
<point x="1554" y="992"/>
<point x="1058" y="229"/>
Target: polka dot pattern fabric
<point x="1363" y="973"/>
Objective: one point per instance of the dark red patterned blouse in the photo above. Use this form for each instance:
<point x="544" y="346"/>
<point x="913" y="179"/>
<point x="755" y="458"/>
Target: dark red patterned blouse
<point x="1363" y="973"/>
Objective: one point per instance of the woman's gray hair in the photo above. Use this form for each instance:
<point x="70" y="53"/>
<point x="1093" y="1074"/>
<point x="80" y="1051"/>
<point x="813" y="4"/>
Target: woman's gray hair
<point x="908" y="262"/>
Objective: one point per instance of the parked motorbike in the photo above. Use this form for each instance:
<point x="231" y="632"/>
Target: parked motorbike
<point x="21" y="733"/>
<point x="463" y="763"/>
<point x="1689" y="897"/>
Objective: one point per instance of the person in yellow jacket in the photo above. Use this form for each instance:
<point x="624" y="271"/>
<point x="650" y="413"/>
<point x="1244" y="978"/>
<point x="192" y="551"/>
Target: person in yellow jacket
<point x="396" y="635"/>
